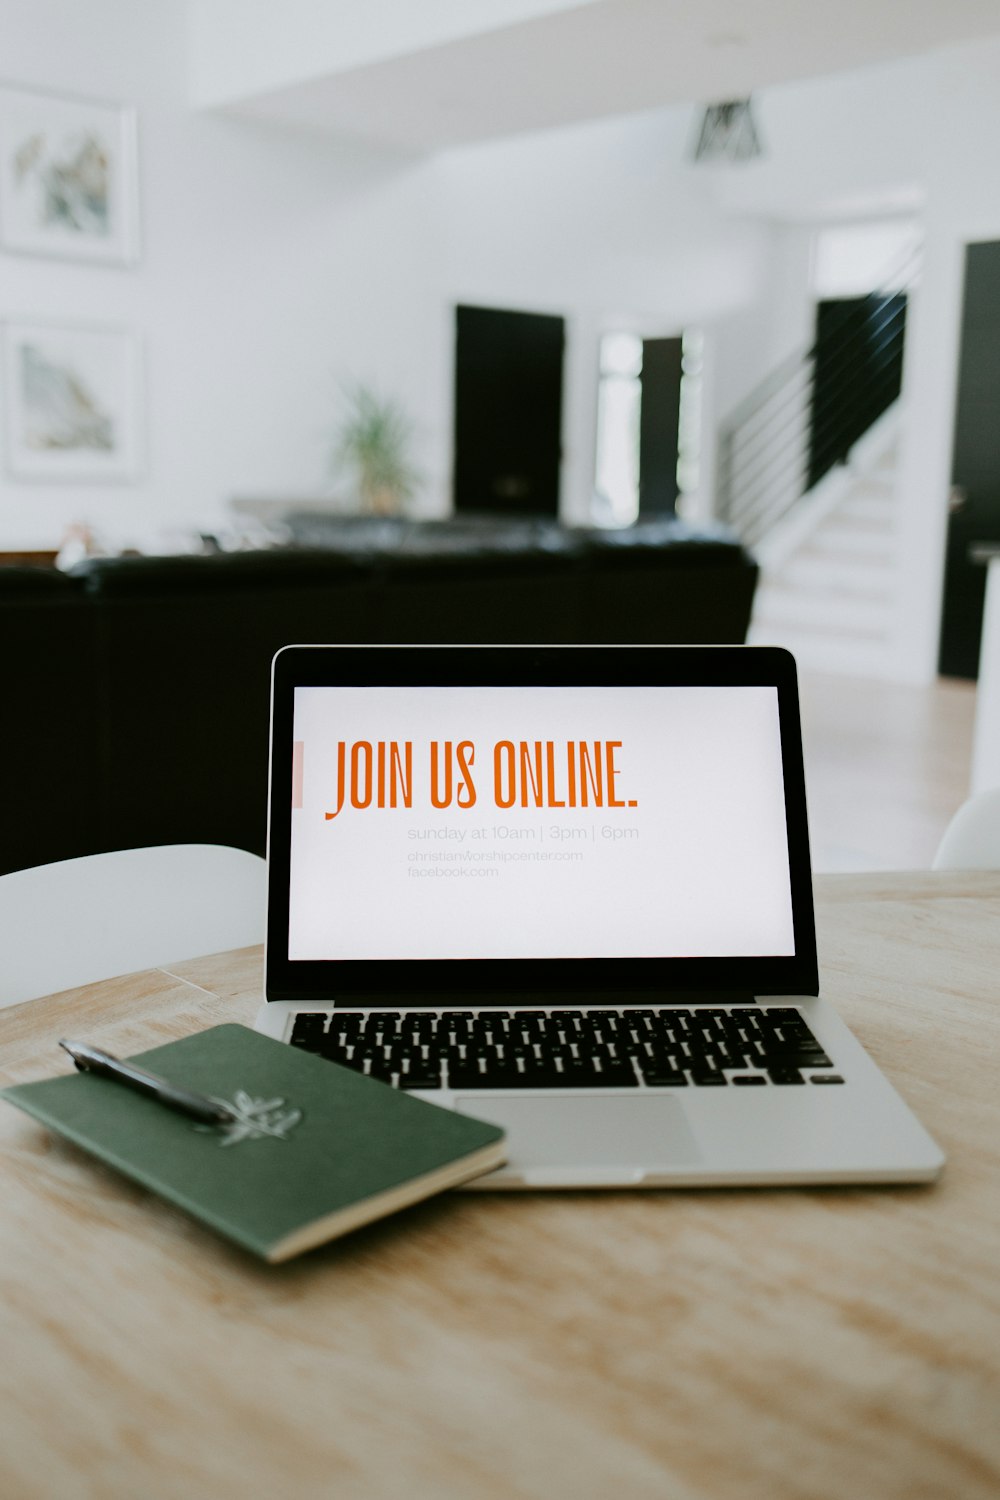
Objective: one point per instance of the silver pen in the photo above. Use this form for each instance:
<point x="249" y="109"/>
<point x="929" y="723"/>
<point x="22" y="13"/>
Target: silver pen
<point x="199" y="1106"/>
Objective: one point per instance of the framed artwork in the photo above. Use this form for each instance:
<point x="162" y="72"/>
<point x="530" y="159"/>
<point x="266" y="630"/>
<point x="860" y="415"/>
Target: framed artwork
<point x="71" y="402"/>
<point x="67" y="177"/>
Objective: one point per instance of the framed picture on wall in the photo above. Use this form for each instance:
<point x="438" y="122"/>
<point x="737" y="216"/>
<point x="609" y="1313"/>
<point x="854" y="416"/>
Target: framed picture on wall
<point x="71" y="399"/>
<point x="67" y="177"/>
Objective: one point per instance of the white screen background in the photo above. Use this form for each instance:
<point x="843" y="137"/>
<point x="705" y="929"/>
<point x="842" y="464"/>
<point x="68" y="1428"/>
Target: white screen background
<point x="698" y="868"/>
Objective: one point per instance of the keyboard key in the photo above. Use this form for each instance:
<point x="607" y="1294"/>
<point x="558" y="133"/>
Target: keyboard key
<point x="634" y="1047"/>
<point x="791" y="1057"/>
<point x="618" y="1078"/>
<point x="664" y="1078"/>
<point x="542" y="1078"/>
<point x="670" y="1054"/>
<point x="476" y="1074"/>
<point x="785" y="1075"/>
<point x="749" y="1079"/>
<point x="308" y="1021"/>
<point x="726" y="1059"/>
<point x="581" y="1073"/>
<point x="827" y="1078"/>
<point x="465" y="1084"/>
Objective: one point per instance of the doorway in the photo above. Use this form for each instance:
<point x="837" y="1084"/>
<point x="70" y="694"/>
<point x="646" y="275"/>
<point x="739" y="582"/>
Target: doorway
<point x="508" y="411"/>
<point x="857" y="372"/>
<point x="659" y="425"/>
<point x="974" y="510"/>
<point x="645" y="447"/>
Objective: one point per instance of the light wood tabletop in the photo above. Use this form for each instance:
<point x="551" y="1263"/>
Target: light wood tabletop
<point x="695" y="1345"/>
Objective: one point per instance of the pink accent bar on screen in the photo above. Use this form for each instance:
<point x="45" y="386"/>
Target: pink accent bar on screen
<point x="298" y="747"/>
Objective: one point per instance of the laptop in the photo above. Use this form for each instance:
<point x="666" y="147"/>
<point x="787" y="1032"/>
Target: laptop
<point x="567" y="890"/>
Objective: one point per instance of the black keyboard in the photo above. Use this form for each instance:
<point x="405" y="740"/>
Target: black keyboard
<point x="672" y="1047"/>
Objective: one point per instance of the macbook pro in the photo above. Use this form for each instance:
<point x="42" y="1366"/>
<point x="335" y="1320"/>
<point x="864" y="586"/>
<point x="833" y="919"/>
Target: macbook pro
<point x="568" y="890"/>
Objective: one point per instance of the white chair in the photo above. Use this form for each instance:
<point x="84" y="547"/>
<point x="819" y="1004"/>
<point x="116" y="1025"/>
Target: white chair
<point x="71" y="923"/>
<point x="972" y="839"/>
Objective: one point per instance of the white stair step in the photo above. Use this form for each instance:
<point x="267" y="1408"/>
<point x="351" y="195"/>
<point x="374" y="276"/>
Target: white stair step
<point x="888" y="464"/>
<point x="829" y="595"/>
<point x="869" y="506"/>
<point x="865" y="577"/>
<point x="829" y="654"/>
<point x="849" y="542"/>
<point x="791" y="610"/>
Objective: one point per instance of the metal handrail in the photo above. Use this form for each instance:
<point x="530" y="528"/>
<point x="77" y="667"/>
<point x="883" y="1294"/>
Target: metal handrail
<point x="805" y="369"/>
<point x="765" y="443"/>
<point x="772" y="383"/>
<point x="777" y="379"/>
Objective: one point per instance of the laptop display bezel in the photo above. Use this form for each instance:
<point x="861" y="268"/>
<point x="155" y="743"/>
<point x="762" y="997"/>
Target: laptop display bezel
<point x="494" y="981"/>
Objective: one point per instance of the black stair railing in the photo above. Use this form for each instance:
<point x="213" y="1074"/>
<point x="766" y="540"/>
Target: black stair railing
<point x="807" y="414"/>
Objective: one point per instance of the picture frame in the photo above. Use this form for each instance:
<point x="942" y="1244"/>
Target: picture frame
<point x="72" y="403"/>
<point x="68" y="177"/>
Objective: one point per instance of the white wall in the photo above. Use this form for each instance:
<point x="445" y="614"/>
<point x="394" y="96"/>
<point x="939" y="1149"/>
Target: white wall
<point x="273" y="262"/>
<point x="610" y="226"/>
<point x="245" y="46"/>
<point x="912" y="137"/>
<point x="272" y="265"/>
<point x="775" y="324"/>
<point x="963" y="206"/>
<point x="731" y="249"/>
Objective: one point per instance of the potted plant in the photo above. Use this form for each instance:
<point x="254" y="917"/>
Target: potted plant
<point x="372" y="443"/>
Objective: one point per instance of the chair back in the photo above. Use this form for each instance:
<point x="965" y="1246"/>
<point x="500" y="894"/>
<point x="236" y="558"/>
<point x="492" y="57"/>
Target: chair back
<point x="972" y="839"/>
<point x="72" y="923"/>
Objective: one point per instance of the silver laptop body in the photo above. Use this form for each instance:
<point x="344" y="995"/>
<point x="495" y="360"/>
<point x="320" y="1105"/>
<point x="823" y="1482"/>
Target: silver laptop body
<point x="568" y="890"/>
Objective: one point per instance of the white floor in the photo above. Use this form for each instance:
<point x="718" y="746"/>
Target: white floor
<point x="886" y="767"/>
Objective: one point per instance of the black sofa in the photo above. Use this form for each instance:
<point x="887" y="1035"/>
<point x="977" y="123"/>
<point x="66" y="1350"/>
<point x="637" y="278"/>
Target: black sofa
<point x="136" y="688"/>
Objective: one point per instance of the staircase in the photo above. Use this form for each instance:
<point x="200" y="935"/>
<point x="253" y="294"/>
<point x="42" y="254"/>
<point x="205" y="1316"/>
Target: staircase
<point x="827" y="589"/>
<point x="807" y="479"/>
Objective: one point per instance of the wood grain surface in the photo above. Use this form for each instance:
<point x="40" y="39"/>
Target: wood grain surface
<point x="712" y="1345"/>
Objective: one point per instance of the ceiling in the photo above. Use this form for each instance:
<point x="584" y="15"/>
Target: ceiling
<point x="605" y="58"/>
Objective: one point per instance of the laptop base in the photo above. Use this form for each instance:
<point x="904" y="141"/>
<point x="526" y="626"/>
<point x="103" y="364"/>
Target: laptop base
<point x="860" y="1132"/>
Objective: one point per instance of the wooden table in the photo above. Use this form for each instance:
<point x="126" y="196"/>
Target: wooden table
<point x="678" y="1345"/>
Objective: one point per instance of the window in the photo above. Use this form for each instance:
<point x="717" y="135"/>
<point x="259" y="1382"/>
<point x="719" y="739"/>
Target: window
<point x="619" y="400"/>
<point x="628" y="439"/>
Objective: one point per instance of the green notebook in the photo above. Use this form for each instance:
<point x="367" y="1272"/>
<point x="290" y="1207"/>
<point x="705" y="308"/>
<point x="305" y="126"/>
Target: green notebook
<point x="318" y="1150"/>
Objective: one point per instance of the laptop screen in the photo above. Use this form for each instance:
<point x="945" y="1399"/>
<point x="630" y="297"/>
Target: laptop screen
<point x="611" y="826"/>
<point x="537" y="822"/>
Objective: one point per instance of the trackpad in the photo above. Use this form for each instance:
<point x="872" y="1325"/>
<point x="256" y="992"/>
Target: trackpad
<point x="562" y="1130"/>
